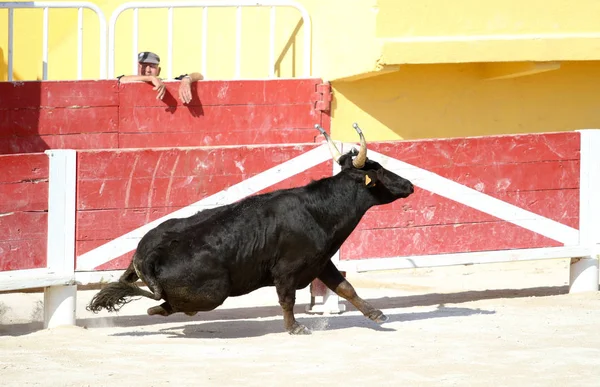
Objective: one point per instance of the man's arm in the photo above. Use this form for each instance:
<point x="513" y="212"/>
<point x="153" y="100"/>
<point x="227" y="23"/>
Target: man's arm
<point x="159" y="86"/>
<point x="185" y="88"/>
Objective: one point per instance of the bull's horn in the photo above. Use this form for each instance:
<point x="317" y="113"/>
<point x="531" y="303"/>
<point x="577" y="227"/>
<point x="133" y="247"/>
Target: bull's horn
<point x="361" y="158"/>
<point x="335" y="153"/>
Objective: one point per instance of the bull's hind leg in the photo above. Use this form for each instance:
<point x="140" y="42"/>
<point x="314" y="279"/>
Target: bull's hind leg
<point x="164" y="309"/>
<point x="287" y="300"/>
<point x="335" y="281"/>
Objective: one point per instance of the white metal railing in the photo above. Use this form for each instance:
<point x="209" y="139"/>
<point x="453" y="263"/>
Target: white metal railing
<point x="205" y="4"/>
<point x="45" y="5"/>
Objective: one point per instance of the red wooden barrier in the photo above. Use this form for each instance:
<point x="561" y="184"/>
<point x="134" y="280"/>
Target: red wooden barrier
<point x="122" y="190"/>
<point x="23" y="211"/>
<point x="536" y="172"/>
<point x="35" y="116"/>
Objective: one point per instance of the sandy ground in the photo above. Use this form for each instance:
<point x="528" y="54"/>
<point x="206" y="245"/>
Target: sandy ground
<point x="484" y="325"/>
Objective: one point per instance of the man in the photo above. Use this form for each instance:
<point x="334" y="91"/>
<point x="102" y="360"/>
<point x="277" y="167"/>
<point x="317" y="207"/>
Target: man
<point x="149" y="70"/>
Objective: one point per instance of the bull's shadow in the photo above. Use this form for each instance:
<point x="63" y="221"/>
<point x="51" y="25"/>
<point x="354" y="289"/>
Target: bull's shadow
<point x="233" y="329"/>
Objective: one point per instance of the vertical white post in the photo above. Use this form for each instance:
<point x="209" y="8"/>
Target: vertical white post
<point x="331" y="301"/>
<point x="59" y="301"/>
<point x="584" y="270"/>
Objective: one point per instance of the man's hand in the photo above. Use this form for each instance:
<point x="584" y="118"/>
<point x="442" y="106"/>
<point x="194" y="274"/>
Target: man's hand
<point x="185" y="90"/>
<point x="159" y="86"/>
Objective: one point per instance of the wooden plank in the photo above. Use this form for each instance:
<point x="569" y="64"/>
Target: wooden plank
<point x="31" y="144"/>
<point x="58" y="121"/>
<point x="23" y="225"/>
<point x="223" y="93"/>
<point x="395" y="263"/>
<point x="147" y="163"/>
<point x="24" y="167"/>
<point x="32" y="94"/>
<point x="33" y="278"/>
<point x="217" y="138"/>
<point x="25" y="196"/>
<point x="427" y="209"/>
<point x="441" y="239"/>
<point x="23" y="254"/>
<point x="108" y="223"/>
<point x="217" y="119"/>
<point x="488" y="150"/>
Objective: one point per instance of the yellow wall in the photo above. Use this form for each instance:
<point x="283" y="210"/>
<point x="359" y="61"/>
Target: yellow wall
<point x="401" y="68"/>
<point x="448" y="100"/>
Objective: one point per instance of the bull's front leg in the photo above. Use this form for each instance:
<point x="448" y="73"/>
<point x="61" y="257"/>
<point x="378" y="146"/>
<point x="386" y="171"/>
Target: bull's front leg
<point x="334" y="280"/>
<point x="287" y="300"/>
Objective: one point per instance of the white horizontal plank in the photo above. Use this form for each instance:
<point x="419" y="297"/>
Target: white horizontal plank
<point x="97" y="277"/>
<point x="33" y="278"/>
<point x="393" y="263"/>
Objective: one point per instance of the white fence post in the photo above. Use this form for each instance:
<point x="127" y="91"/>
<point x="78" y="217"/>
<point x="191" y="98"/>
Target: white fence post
<point x="60" y="301"/>
<point x="583" y="274"/>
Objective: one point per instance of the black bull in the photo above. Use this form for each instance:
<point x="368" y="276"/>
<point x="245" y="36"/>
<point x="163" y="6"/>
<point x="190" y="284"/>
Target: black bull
<point x="284" y="238"/>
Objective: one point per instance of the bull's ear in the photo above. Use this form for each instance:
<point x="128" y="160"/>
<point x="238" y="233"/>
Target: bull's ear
<point x="371" y="179"/>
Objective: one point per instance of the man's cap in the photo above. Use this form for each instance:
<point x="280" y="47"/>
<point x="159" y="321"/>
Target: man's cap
<point x="148" y="57"/>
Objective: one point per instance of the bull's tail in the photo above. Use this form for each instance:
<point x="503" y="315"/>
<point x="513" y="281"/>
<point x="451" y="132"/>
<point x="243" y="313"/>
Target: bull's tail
<point x="116" y="294"/>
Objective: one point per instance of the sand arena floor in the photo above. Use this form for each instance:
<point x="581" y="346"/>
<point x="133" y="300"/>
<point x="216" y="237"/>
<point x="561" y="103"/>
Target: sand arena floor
<point x="484" y="325"/>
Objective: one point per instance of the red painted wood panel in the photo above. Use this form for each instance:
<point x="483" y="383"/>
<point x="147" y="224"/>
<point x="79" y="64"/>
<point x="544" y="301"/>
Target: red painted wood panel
<point x="19" y="168"/>
<point x="16" y="95"/>
<point x="22" y="254"/>
<point x="35" y="116"/>
<point x="217" y="138"/>
<point x="488" y="150"/>
<point x="29" y="144"/>
<point x="119" y="191"/>
<point x="26" y="196"/>
<point x="23" y="211"/>
<point x="23" y="183"/>
<point x="428" y="209"/>
<point x="23" y="225"/>
<point x="440" y="239"/>
<point x="222" y="93"/>
<point x="536" y="172"/>
<point x="58" y="121"/>
<point x="217" y="119"/>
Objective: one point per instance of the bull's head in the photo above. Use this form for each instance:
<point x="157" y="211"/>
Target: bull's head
<point x="385" y="185"/>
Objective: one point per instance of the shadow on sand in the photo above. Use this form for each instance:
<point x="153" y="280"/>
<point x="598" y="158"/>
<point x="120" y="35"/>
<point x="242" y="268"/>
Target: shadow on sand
<point x="236" y="322"/>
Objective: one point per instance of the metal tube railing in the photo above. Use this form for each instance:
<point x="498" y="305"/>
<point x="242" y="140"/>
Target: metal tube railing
<point x="205" y="4"/>
<point x="45" y="5"/>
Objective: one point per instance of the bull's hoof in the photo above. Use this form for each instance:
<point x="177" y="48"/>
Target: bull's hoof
<point x="159" y="310"/>
<point x="299" y="329"/>
<point x="378" y="317"/>
<point x="191" y="313"/>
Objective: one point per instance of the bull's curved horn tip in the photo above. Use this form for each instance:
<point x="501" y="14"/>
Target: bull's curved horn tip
<point x="355" y="126"/>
